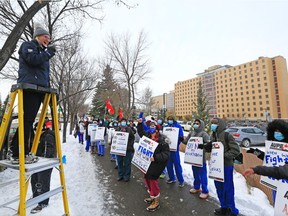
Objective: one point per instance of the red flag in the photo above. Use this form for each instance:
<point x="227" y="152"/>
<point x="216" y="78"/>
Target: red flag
<point x="109" y="107"/>
<point x="120" y="114"/>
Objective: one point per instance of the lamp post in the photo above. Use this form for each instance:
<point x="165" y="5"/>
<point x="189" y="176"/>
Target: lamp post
<point x="164" y="105"/>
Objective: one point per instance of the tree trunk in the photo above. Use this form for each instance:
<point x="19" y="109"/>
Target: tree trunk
<point x="10" y="43"/>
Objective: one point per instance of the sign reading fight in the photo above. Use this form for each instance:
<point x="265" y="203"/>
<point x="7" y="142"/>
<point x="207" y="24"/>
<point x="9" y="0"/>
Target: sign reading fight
<point x="216" y="164"/>
<point x="276" y="154"/>
<point x="119" y="143"/>
<point x="143" y="153"/>
<point x="173" y="134"/>
<point x="193" y="155"/>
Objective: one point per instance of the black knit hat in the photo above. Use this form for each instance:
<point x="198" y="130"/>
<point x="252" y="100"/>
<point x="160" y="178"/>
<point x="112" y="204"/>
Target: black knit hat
<point x="39" y="30"/>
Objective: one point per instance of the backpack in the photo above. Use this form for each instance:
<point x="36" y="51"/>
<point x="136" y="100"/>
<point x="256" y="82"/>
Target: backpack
<point x="47" y="145"/>
<point x="239" y="158"/>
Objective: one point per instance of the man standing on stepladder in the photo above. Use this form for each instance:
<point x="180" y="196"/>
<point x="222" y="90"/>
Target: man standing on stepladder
<point x="34" y="69"/>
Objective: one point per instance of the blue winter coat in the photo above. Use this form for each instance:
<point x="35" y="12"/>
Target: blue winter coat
<point x="34" y="64"/>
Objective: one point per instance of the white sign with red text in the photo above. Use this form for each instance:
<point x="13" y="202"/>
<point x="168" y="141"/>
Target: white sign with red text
<point x="216" y="164"/>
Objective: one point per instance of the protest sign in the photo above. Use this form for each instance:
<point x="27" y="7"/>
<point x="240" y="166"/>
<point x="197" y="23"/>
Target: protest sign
<point x="194" y="155"/>
<point x="173" y="134"/>
<point x="216" y="164"/>
<point x="276" y="153"/>
<point x="119" y="143"/>
<point x="143" y="153"/>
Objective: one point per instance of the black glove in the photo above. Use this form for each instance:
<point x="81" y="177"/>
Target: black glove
<point x="260" y="154"/>
<point x="239" y="159"/>
<point x="251" y="150"/>
<point x="200" y="146"/>
<point x="181" y="138"/>
<point x="51" y="49"/>
<point x="208" y="146"/>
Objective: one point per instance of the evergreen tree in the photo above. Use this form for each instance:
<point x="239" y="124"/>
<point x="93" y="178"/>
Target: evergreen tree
<point x="202" y="110"/>
<point x="105" y="89"/>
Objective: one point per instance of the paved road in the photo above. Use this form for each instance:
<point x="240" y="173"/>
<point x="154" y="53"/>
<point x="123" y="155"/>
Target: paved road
<point x="127" y="197"/>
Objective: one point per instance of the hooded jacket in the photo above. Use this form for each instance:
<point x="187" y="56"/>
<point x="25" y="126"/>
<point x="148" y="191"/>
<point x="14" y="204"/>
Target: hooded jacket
<point x="231" y="149"/>
<point x="279" y="172"/>
<point x="34" y="64"/>
<point x="199" y="132"/>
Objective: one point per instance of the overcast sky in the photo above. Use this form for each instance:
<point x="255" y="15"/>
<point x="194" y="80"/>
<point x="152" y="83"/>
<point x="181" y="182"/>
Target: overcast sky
<point x="188" y="36"/>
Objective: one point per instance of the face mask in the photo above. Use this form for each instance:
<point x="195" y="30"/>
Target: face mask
<point x="195" y="126"/>
<point x="152" y="130"/>
<point x="214" y="127"/>
<point x="123" y="124"/>
<point x="100" y="122"/>
<point x="170" y="122"/>
<point x="115" y="125"/>
<point x="159" y="121"/>
<point x="278" y="136"/>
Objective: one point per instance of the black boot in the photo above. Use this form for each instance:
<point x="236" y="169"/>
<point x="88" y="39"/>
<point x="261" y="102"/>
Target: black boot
<point x="220" y="211"/>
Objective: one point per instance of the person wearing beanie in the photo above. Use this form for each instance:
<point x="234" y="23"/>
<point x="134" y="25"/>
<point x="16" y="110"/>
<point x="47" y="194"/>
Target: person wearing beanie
<point x="34" y="69"/>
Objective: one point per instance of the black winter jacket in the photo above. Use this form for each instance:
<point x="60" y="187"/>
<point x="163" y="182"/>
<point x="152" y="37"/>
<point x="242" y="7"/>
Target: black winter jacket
<point x="34" y="64"/>
<point x="161" y="154"/>
<point x="47" y="145"/>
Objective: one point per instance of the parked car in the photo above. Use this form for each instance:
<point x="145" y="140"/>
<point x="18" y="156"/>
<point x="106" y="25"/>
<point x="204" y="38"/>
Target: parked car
<point x="247" y="136"/>
<point x="186" y="125"/>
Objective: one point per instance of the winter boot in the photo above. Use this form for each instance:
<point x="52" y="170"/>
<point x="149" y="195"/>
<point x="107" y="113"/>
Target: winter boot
<point x="148" y="200"/>
<point x="154" y="205"/>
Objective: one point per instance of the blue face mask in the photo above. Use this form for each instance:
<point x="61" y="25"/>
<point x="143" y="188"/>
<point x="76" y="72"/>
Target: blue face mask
<point x="115" y="125"/>
<point x="123" y="124"/>
<point x="195" y="126"/>
<point x="214" y="127"/>
<point x="100" y="122"/>
<point x="170" y="122"/>
<point x="278" y="136"/>
<point x="159" y="121"/>
<point x="152" y="130"/>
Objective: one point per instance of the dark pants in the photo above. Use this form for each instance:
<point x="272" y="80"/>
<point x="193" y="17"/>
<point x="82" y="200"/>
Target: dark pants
<point x="124" y="165"/>
<point x="31" y="105"/>
<point x="40" y="183"/>
<point x="225" y="190"/>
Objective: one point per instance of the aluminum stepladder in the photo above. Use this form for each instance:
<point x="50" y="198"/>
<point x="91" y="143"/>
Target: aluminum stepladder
<point x="26" y="170"/>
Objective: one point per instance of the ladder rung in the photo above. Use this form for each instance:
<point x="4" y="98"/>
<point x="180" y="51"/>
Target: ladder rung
<point x="33" y="87"/>
<point x="40" y="165"/>
<point x="3" y="184"/>
<point x="36" y="200"/>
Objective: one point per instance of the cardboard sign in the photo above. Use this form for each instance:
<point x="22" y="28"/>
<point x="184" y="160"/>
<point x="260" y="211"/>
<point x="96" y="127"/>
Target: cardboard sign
<point x="143" y="153"/>
<point x="100" y="133"/>
<point x="119" y="143"/>
<point x="194" y="155"/>
<point x="276" y="153"/>
<point x="216" y="164"/>
<point x="111" y="132"/>
<point x="173" y="134"/>
<point x="92" y="131"/>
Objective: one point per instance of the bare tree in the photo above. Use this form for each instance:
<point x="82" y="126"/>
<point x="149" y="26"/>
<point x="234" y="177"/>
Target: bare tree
<point x="145" y="101"/>
<point x="129" y="62"/>
<point x="75" y="77"/>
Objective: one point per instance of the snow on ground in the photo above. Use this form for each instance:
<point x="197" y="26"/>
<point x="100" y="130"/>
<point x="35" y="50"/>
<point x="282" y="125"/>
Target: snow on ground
<point x="85" y="195"/>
